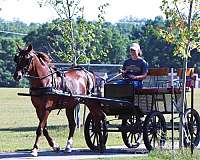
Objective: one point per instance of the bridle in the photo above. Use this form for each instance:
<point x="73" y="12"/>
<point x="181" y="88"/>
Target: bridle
<point x="25" y="69"/>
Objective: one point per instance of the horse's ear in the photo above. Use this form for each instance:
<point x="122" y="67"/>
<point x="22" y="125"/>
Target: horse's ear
<point x="18" y="47"/>
<point x="30" y="47"/>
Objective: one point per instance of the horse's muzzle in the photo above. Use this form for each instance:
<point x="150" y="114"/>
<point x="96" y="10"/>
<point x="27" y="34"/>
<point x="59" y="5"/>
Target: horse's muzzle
<point x="17" y="76"/>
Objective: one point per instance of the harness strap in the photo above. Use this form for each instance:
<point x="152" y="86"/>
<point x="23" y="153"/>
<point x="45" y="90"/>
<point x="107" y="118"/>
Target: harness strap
<point x="59" y="111"/>
<point x="64" y="85"/>
<point x="88" y="81"/>
<point x="41" y="91"/>
<point x="53" y="78"/>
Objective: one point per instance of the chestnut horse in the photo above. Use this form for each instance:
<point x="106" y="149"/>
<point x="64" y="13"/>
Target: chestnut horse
<point x="45" y="79"/>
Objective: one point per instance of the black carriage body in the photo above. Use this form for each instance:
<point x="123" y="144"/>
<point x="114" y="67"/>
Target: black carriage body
<point x="123" y="92"/>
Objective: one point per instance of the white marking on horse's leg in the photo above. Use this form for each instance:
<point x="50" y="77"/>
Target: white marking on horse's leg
<point x="56" y="147"/>
<point x="68" y="148"/>
<point x="34" y="152"/>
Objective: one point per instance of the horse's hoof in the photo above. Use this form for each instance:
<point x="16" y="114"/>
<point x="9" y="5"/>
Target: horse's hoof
<point x="34" y="152"/>
<point x="56" y="147"/>
<point x="68" y="150"/>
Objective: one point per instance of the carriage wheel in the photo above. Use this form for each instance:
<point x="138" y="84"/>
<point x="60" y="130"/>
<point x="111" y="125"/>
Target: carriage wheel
<point x="154" y="131"/>
<point x="130" y="135"/>
<point x="192" y="128"/>
<point x="95" y="141"/>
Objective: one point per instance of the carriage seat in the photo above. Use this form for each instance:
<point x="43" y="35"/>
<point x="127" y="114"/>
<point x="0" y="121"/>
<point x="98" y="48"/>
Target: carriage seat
<point x="157" y="82"/>
<point x="155" y="90"/>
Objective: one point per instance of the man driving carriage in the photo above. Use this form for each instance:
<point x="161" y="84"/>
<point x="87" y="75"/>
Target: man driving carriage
<point x="134" y="69"/>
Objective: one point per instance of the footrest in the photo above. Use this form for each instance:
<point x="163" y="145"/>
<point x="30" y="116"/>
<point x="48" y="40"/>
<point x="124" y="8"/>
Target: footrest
<point x="169" y="125"/>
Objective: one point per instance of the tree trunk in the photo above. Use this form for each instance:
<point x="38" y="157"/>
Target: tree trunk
<point x="183" y="100"/>
<point x="183" y="95"/>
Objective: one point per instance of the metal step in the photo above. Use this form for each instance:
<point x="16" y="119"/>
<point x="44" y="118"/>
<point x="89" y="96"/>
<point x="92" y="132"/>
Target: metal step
<point x="169" y="125"/>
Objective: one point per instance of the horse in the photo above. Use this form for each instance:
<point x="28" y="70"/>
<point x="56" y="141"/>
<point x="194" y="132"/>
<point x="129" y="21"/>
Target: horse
<point x="45" y="79"/>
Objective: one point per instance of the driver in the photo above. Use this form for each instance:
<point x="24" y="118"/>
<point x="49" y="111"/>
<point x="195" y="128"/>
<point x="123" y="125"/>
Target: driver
<point x="135" y="69"/>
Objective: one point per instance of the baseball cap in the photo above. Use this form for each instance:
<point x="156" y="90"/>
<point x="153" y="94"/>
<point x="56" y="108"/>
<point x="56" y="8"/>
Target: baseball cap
<point x="135" y="46"/>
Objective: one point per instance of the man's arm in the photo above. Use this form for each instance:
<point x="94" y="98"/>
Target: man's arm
<point x="139" y="77"/>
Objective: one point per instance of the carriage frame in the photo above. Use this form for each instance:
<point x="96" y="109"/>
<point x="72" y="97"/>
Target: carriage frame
<point x="142" y="112"/>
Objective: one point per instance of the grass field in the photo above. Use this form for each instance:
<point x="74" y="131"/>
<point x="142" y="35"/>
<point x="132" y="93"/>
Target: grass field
<point x="18" y="123"/>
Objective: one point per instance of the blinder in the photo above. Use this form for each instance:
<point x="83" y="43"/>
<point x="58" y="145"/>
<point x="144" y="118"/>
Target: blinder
<point x="16" y="58"/>
<point x="26" y="68"/>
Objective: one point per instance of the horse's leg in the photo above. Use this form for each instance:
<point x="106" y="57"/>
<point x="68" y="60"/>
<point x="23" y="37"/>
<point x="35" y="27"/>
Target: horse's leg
<point x="38" y="133"/>
<point x="51" y="142"/>
<point x="41" y="127"/>
<point x="35" y="146"/>
<point x="72" y="126"/>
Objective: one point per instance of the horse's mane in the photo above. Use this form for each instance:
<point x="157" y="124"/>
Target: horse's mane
<point x="44" y="57"/>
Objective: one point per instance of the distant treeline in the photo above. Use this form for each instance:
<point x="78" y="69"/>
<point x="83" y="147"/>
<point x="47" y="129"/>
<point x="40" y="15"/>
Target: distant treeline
<point x="106" y="44"/>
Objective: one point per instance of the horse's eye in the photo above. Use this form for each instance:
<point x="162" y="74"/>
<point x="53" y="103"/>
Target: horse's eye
<point x="16" y="59"/>
<point x="27" y="56"/>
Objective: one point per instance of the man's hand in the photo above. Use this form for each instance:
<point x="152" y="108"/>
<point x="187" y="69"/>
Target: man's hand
<point x="123" y="72"/>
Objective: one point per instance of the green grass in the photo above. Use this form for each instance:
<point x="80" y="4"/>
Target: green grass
<point x="18" y="123"/>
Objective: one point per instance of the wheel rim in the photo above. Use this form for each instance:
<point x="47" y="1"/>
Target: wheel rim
<point x="94" y="139"/>
<point x="154" y="131"/>
<point x="192" y="128"/>
<point x="131" y="137"/>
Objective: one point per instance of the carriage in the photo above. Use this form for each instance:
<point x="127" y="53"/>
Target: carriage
<point x="145" y="114"/>
<point x="141" y="113"/>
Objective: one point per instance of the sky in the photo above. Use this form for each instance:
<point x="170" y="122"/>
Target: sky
<point x="29" y="11"/>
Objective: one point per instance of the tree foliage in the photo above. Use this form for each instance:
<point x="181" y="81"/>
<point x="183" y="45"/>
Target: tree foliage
<point x="96" y="42"/>
<point x="7" y="51"/>
<point x="78" y="35"/>
<point x="182" y="26"/>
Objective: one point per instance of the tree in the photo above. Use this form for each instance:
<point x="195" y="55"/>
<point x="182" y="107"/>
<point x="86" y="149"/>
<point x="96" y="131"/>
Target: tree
<point x="113" y="45"/>
<point x="157" y="51"/>
<point x="183" y="27"/>
<point x="7" y="51"/>
<point x="76" y="40"/>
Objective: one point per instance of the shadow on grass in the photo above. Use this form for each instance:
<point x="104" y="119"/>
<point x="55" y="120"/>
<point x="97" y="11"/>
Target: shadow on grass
<point x="27" y="129"/>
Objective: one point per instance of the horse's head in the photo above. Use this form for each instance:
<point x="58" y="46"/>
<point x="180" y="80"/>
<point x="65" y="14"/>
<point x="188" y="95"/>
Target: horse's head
<point x="23" y="60"/>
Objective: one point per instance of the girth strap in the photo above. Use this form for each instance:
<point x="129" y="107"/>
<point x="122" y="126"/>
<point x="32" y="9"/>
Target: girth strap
<point x="41" y="91"/>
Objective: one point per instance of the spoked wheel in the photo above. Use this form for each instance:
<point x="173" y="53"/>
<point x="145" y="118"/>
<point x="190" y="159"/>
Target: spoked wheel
<point x="154" y="131"/>
<point x="191" y="127"/>
<point x="132" y="132"/>
<point x="95" y="140"/>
